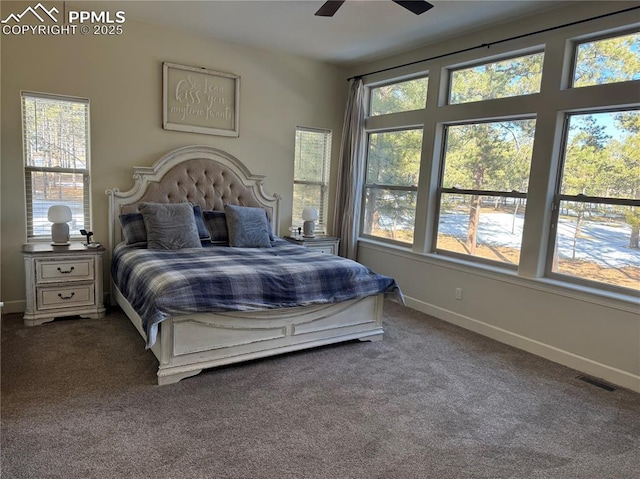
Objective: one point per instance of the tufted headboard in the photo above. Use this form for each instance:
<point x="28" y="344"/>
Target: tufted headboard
<point x="201" y="175"/>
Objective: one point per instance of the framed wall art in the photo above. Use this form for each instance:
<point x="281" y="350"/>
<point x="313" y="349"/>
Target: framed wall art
<point x="198" y="100"/>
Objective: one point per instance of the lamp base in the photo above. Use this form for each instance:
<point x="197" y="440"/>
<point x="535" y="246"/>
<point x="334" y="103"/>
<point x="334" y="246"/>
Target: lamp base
<point x="60" y="234"/>
<point x="60" y="244"/>
<point x="308" y="229"/>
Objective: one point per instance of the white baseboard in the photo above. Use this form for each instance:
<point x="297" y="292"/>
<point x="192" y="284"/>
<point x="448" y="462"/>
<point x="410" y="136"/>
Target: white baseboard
<point x="14" y="306"/>
<point x="566" y="358"/>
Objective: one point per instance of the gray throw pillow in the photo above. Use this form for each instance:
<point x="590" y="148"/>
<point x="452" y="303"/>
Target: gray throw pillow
<point x="216" y="222"/>
<point x="203" y="232"/>
<point x="133" y="229"/>
<point x="248" y="227"/>
<point x="170" y="225"/>
<point x="135" y="234"/>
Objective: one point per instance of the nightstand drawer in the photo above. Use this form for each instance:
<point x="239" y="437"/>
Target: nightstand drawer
<point x="71" y="270"/>
<point x="323" y="249"/>
<point x="52" y="298"/>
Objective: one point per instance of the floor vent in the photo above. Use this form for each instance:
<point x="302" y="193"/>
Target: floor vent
<point x="597" y="382"/>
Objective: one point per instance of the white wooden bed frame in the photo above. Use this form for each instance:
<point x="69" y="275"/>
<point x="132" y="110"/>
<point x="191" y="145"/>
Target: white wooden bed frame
<point x="186" y="345"/>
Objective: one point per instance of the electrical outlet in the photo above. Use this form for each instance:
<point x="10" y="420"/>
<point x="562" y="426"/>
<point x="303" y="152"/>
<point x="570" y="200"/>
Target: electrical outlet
<point x="458" y="293"/>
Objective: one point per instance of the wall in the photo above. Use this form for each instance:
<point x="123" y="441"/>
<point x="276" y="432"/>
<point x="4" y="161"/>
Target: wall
<point x="585" y="329"/>
<point x="122" y="77"/>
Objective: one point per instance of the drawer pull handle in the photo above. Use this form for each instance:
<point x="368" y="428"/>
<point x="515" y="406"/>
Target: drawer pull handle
<point x="66" y="297"/>
<point x="66" y="271"/>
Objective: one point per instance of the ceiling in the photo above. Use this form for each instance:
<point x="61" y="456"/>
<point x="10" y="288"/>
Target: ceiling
<point x="361" y="30"/>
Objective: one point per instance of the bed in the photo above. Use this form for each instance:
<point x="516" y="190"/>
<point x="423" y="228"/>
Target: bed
<point x="210" y="329"/>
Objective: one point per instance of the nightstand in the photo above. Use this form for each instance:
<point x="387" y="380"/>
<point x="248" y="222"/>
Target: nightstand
<point x="62" y="281"/>
<point x="321" y="243"/>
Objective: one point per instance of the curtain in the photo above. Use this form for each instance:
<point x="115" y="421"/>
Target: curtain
<point x="346" y="219"/>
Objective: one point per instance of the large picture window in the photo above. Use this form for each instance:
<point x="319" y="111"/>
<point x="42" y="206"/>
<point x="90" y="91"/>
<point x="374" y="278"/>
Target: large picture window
<point x="529" y="160"/>
<point x="485" y="175"/>
<point x="596" y="228"/>
<point x="56" y="160"/>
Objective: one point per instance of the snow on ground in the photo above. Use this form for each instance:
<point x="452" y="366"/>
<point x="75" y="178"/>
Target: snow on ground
<point x="605" y="244"/>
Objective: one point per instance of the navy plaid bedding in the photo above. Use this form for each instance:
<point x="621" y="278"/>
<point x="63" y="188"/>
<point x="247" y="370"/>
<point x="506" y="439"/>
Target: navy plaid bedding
<point x="160" y="283"/>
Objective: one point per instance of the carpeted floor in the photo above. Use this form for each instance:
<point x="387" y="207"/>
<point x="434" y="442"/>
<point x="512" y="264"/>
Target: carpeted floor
<point x="431" y="400"/>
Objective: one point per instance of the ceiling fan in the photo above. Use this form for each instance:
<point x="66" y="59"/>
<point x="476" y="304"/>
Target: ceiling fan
<point x="328" y="9"/>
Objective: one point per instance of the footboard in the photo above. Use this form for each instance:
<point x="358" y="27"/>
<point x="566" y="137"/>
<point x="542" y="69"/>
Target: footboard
<point x="188" y="344"/>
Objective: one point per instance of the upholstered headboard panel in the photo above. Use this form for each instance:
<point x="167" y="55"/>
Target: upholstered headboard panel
<point x="201" y="175"/>
<point x="200" y="182"/>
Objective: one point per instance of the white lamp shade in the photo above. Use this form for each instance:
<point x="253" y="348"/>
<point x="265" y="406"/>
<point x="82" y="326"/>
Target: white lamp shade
<point x="309" y="213"/>
<point x="59" y="214"/>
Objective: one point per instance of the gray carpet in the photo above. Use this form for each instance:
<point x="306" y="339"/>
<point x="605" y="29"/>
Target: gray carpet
<point x="431" y="400"/>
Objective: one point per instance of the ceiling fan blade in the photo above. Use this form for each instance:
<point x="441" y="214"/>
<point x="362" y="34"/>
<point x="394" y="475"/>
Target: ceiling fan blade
<point x="328" y="9"/>
<point x="415" y="6"/>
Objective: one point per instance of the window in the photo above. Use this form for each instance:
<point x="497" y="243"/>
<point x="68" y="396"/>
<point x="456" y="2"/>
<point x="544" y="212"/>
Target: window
<point x="393" y="154"/>
<point x="540" y="182"/>
<point x="610" y="60"/>
<point x="56" y="160"/>
<point x="506" y="78"/>
<point x="483" y="189"/>
<point x="391" y="184"/>
<point x="596" y="226"/>
<point x="311" y="174"/>
<point x="397" y="97"/>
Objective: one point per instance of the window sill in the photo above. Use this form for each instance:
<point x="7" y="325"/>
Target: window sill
<point x="42" y="239"/>
<point x="620" y="301"/>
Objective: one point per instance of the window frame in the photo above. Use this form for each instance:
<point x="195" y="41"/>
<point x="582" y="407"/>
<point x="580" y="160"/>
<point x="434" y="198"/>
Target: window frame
<point x="559" y="197"/>
<point x="547" y="107"/>
<point x="368" y="186"/>
<point x="596" y="37"/>
<point x="29" y="170"/>
<point x="387" y="123"/>
<point x="321" y="226"/>
<point x="395" y="81"/>
<point x="440" y="190"/>
<point x="450" y="70"/>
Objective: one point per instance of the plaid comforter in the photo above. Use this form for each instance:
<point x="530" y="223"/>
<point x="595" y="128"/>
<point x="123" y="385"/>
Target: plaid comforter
<point x="159" y="283"/>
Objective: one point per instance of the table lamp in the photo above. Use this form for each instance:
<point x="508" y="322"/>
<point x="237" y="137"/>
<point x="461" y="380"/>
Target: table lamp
<point x="309" y="215"/>
<point x="59" y="215"/>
